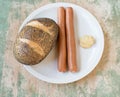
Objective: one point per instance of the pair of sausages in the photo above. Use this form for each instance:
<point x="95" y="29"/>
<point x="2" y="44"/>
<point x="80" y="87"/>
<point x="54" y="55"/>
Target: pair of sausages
<point x="66" y="46"/>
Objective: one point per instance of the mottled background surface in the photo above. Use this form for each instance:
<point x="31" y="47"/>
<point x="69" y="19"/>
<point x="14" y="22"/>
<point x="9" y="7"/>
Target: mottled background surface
<point x="104" y="81"/>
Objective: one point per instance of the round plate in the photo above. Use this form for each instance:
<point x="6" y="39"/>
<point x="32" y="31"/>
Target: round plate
<point x="87" y="59"/>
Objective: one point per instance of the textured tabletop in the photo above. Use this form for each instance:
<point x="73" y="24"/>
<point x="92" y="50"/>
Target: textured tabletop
<point x="103" y="81"/>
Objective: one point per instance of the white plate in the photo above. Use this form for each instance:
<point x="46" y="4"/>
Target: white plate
<point x="87" y="59"/>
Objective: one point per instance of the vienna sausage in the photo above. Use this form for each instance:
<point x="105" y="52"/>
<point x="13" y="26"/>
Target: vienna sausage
<point x="71" y="46"/>
<point x="62" y="65"/>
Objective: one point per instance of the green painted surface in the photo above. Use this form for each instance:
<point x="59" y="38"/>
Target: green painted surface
<point x="104" y="81"/>
<point x="28" y="1"/>
<point x="53" y="1"/>
<point x="6" y="92"/>
<point x="115" y="15"/>
<point x="118" y="55"/>
<point x="20" y="81"/>
<point x="4" y="12"/>
<point x="35" y="95"/>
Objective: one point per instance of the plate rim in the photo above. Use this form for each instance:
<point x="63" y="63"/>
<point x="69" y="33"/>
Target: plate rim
<point x="46" y="79"/>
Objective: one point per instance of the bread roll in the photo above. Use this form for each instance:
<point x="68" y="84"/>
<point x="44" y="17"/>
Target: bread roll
<point x="35" y="41"/>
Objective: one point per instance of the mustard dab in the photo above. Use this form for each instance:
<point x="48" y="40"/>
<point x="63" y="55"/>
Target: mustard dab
<point x="87" y="41"/>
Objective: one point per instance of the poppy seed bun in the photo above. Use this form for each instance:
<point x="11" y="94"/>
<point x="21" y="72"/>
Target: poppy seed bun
<point x="35" y="41"/>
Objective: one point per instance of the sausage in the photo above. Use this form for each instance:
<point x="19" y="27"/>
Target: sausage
<point x="71" y="46"/>
<point x="62" y="65"/>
